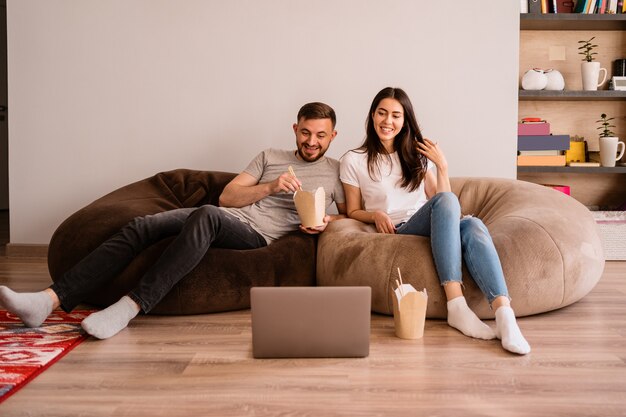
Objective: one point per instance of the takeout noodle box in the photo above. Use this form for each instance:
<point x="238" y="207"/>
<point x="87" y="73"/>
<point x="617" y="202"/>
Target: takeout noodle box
<point x="311" y="206"/>
<point x="409" y="312"/>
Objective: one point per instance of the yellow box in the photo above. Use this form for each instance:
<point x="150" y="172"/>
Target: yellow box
<point x="576" y="152"/>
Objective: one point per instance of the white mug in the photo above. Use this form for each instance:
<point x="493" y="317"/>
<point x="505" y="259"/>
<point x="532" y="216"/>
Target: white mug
<point x="591" y="73"/>
<point x="608" y="150"/>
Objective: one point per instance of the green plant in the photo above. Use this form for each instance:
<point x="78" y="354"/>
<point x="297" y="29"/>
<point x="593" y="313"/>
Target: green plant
<point x="605" y="126"/>
<point x="586" y="49"/>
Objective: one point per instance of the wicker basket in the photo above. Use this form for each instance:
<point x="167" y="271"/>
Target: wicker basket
<point x="612" y="225"/>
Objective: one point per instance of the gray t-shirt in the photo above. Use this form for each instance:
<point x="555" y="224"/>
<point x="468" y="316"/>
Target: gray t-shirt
<point x="275" y="215"/>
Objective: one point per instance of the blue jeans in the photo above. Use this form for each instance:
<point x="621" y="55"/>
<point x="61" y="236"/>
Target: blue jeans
<point x="196" y="229"/>
<point x="454" y="239"/>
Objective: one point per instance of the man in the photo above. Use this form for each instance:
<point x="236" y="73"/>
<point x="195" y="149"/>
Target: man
<point x="256" y="208"/>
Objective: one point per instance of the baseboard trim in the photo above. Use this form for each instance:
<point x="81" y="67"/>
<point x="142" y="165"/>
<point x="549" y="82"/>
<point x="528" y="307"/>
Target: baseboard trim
<point x="16" y="250"/>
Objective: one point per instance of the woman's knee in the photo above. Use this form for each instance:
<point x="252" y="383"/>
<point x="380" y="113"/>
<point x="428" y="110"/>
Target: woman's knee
<point x="447" y="201"/>
<point x="472" y="228"/>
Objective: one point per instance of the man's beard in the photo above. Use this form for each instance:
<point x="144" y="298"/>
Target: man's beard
<point x="307" y="158"/>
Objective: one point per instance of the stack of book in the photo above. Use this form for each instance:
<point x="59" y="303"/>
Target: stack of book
<point x="536" y="146"/>
<point x="599" y="6"/>
<point x="568" y="6"/>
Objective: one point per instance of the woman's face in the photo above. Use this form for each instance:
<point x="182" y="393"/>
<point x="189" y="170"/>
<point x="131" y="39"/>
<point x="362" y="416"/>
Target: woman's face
<point x="388" y="119"/>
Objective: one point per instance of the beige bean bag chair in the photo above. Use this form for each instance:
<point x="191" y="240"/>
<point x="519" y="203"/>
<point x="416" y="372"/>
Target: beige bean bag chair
<point x="548" y="243"/>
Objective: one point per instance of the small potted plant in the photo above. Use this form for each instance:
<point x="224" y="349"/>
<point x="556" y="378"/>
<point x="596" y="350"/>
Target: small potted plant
<point x="609" y="143"/>
<point x="586" y="50"/>
<point x="605" y="125"/>
<point x="590" y="69"/>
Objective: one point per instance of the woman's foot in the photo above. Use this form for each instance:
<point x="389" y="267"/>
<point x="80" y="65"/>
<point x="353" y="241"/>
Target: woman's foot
<point x="462" y="318"/>
<point x="111" y="320"/>
<point x="509" y="332"/>
<point x="31" y="307"/>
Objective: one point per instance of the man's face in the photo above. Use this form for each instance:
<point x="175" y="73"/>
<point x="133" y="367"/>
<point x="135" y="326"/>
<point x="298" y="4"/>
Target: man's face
<point x="313" y="137"/>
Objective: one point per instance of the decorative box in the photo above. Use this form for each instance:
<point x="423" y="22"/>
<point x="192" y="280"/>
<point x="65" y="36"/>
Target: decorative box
<point x="612" y="225"/>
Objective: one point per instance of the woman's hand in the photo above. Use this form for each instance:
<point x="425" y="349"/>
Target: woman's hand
<point x="441" y="182"/>
<point x="356" y="211"/>
<point x="431" y="150"/>
<point x="383" y="223"/>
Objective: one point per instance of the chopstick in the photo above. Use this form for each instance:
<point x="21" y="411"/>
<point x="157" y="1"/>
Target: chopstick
<point x="401" y="283"/>
<point x="293" y="174"/>
<point x="400" y="288"/>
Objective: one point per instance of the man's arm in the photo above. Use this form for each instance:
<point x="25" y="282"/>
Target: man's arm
<point x="244" y="189"/>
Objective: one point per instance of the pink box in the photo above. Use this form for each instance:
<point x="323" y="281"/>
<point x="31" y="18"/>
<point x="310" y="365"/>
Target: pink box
<point x="562" y="188"/>
<point x="533" y="129"/>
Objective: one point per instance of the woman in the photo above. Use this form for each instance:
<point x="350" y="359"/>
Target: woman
<point x="389" y="182"/>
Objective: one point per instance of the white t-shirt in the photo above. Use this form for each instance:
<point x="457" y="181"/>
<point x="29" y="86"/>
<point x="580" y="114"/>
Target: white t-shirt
<point x="386" y="193"/>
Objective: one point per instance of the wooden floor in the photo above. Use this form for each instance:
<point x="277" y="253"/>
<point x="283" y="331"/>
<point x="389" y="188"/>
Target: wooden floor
<point x="202" y="366"/>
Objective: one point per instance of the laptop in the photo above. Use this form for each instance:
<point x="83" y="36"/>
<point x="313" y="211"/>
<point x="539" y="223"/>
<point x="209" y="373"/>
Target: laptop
<point x="310" y="322"/>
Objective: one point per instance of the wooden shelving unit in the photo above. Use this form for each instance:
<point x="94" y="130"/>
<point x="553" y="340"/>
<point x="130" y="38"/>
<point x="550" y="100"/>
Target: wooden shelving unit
<point x="575" y="170"/>
<point x="574" y="111"/>
<point x="572" y="95"/>
<point x="572" y="21"/>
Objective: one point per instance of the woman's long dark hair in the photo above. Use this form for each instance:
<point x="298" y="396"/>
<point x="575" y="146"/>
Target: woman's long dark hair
<point x="413" y="163"/>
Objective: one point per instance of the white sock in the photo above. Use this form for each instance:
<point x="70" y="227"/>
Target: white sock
<point x="31" y="307"/>
<point x="462" y="318"/>
<point x="510" y="333"/>
<point x="111" y="320"/>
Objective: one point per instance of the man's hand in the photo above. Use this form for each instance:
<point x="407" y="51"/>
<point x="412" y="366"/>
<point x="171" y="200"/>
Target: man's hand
<point x="244" y="189"/>
<point x="319" y="229"/>
<point x="316" y="230"/>
<point x="286" y="183"/>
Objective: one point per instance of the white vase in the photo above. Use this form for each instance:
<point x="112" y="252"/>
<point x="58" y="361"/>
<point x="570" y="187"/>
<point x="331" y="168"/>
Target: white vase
<point x="608" y="151"/>
<point x="555" y="80"/>
<point x="534" y="79"/>
<point x="590" y="73"/>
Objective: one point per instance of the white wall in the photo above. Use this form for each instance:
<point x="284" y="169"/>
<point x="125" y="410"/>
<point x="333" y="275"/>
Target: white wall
<point x="106" y="92"/>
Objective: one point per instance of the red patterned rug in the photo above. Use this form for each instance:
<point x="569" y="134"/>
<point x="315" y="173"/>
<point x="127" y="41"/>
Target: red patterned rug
<point x="25" y="352"/>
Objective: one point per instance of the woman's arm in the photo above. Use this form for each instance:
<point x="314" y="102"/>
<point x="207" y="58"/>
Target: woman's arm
<point x="355" y="210"/>
<point x="441" y="182"/>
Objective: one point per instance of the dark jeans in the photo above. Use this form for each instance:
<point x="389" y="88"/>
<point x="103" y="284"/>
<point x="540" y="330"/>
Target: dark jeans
<point x="196" y="229"/>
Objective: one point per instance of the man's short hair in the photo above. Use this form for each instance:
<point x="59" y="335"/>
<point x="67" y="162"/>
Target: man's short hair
<point x="317" y="110"/>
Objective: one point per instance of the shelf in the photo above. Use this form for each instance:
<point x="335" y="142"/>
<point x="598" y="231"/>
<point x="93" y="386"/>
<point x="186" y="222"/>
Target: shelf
<point x="568" y="109"/>
<point x="579" y="170"/>
<point x="572" y="95"/>
<point x="572" y="21"/>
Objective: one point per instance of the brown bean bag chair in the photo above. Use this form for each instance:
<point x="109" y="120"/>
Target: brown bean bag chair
<point x="221" y="281"/>
<point x="548" y="243"/>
